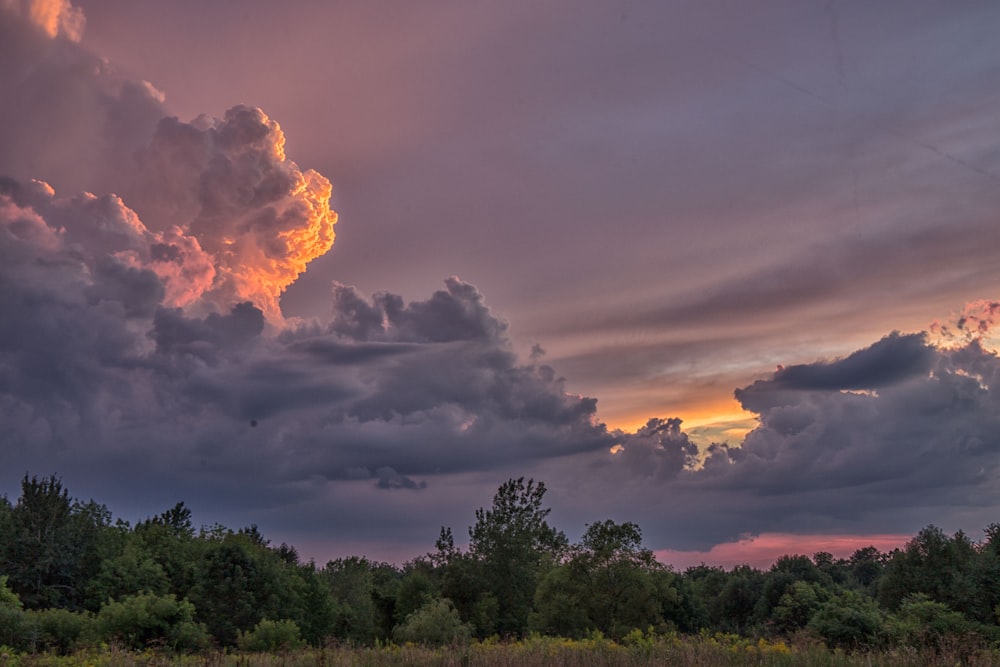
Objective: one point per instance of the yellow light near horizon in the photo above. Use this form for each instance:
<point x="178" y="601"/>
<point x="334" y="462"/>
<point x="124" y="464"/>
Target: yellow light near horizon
<point x="718" y="417"/>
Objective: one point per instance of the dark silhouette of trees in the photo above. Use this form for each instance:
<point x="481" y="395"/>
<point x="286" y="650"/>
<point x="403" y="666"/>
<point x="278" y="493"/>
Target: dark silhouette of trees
<point x="70" y="575"/>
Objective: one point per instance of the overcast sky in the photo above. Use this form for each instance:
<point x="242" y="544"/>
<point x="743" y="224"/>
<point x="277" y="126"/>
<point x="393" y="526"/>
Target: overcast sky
<point x="726" y="269"/>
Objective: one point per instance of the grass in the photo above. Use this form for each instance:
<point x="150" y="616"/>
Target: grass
<point x="635" y="651"/>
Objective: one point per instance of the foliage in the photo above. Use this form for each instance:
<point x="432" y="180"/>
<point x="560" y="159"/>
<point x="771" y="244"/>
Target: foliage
<point x="146" y="619"/>
<point x="609" y="583"/>
<point x="11" y="615"/>
<point x="352" y="584"/>
<point x="71" y="577"/>
<point x="509" y="543"/>
<point x="271" y="636"/>
<point x="940" y="567"/>
<point x="58" y="630"/>
<point x="921" y="622"/>
<point x="849" y="621"/>
<point x="436" y="623"/>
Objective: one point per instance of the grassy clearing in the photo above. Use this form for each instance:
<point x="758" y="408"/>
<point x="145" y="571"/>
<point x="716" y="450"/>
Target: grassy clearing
<point x="700" y="651"/>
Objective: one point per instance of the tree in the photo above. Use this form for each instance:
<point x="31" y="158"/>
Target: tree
<point x="436" y="623"/>
<point x="351" y="584"/>
<point x="138" y="621"/>
<point x="849" y="621"/>
<point x="609" y="583"/>
<point x="320" y="610"/>
<point x="866" y="566"/>
<point x="510" y="542"/>
<point x="798" y="604"/>
<point x="943" y="568"/>
<point x="240" y="582"/>
<point x="52" y="544"/>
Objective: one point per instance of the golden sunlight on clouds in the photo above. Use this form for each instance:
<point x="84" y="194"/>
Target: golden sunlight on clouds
<point x="713" y="420"/>
<point x="977" y="322"/>
<point x="55" y="17"/>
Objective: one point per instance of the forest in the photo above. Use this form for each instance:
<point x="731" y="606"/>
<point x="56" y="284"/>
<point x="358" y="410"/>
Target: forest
<point x="73" y="576"/>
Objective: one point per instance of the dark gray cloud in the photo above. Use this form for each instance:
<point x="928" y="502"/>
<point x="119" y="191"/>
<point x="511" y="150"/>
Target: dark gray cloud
<point x="893" y="359"/>
<point x="657" y="192"/>
<point x="889" y="438"/>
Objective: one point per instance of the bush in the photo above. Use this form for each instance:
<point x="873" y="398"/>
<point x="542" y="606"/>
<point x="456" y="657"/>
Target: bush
<point x="11" y="617"/>
<point x="435" y="624"/>
<point x="58" y="630"/>
<point x="146" y="619"/>
<point x="921" y="622"/>
<point x="849" y="621"/>
<point x="271" y="636"/>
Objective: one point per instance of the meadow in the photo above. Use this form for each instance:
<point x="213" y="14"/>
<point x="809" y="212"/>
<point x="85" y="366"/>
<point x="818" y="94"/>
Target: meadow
<point x="637" y="650"/>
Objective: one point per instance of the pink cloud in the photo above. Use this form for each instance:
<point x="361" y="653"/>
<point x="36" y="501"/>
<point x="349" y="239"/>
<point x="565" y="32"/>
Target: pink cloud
<point x="762" y="550"/>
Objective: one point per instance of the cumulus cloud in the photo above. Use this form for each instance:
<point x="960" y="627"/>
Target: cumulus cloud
<point x="141" y="343"/>
<point x="70" y="118"/>
<point x="886" y="439"/>
<point x="53" y="17"/>
<point x="229" y="183"/>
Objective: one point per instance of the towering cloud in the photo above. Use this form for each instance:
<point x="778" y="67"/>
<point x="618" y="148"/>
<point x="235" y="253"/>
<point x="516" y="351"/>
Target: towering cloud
<point x="53" y="17"/>
<point x="230" y="185"/>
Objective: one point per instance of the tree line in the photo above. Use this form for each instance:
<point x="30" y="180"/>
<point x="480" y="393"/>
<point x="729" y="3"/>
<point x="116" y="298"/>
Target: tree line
<point x="71" y="575"/>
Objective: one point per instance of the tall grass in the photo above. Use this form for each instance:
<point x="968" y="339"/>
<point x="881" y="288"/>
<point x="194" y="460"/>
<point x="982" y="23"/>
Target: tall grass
<point x="637" y="650"/>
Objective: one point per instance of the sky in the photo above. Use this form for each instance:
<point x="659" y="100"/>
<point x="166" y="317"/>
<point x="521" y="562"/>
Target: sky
<point x="726" y="269"/>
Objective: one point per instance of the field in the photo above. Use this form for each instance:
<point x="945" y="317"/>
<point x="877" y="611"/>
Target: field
<point x="698" y="651"/>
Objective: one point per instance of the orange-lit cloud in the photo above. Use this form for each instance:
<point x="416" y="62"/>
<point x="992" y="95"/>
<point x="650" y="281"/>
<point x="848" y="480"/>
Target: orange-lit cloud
<point x="54" y="17"/>
<point x="762" y="550"/>
<point x="977" y="321"/>
<point x="227" y="183"/>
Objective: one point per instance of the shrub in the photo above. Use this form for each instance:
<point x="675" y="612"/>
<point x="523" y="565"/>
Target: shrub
<point x="11" y="616"/>
<point x="146" y="619"/>
<point x="921" y="622"/>
<point x="271" y="636"/>
<point x="58" y="630"/>
<point x="435" y="624"/>
<point x="849" y="621"/>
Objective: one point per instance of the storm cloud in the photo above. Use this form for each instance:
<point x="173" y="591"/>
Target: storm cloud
<point x="145" y="357"/>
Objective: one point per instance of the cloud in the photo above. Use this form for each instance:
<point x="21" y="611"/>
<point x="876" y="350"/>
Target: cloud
<point x="227" y="181"/>
<point x="71" y="119"/>
<point x="56" y="18"/>
<point x="889" y="361"/>
<point x="144" y="356"/>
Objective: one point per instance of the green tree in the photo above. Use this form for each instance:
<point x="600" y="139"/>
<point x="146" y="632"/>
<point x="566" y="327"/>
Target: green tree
<point x="320" y="610"/>
<point x="783" y="574"/>
<point x="922" y="622"/>
<point x="352" y="584"/>
<point x="510" y="542"/>
<point x="797" y="605"/>
<point x="735" y="607"/>
<point x="130" y="572"/>
<point x="609" y="583"/>
<point x="866" y="566"/>
<point x="849" y="621"/>
<point x="53" y="546"/>
<point x="436" y="623"/>
<point x="138" y="621"/>
<point x="945" y="569"/>
<point x="58" y="630"/>
<point x="169" y="541"/>
<point x="416" y="589"/>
